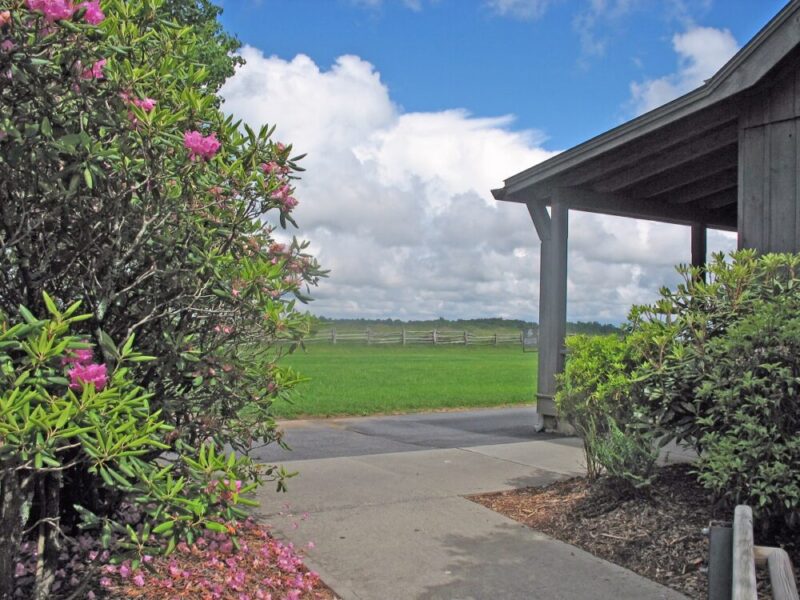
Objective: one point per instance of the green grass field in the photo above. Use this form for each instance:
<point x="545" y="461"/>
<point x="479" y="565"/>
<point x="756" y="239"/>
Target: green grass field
<point x="361" y="380"/>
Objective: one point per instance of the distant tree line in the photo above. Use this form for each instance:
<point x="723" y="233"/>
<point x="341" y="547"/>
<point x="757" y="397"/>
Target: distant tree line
<point x="485" y="324"/>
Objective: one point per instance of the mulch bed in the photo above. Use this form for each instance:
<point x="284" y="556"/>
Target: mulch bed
<point x="657" y="535"/>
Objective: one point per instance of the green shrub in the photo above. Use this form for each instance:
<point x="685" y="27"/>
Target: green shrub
<point x="67" y="417"/>
<point x="718" y="368"/>
<point x="628" y="456"/>
<point x="670" y="337"/>
<point x="594" y="388"/>
<point x="751" y="428"/>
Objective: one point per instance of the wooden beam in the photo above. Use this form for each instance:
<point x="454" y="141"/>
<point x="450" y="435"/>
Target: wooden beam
<point x="675" y="179"/>
<point x="540" y="218"/>
<point x="781" y="574"/>
<point x="744" y="564"/>
<point x="699" y="248"/>
<point x="703" y="188"/>
<point x="726" y="197"/>
<point x="676" y="156"/>
<point x="652" y="210"/>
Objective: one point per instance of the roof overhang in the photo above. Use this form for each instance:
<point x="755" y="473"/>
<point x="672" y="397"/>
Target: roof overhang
<point x="676" y="163"/>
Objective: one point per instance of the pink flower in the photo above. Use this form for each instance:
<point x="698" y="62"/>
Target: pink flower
<point x="93" y="14"/>
<point x="269" y="167"/>
<point x="96" y="71"/>
<point x="84" y="374"/>
<point x="138" y="579"/>
<point x="201" y="146"/>
<point x="237" y="485"/>
<point x="53" y="10"/>
<point x="19" y="570"/>
<point x="124" y="571"/>
<point x="5" y="18"/>
<point x="105" y="582"/>
<point x="146" y="104"/>
<point x="81" y="356"/>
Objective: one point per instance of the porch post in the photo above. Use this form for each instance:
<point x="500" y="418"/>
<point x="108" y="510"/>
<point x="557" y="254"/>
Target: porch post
<point x="553" y="232"/>
<point x="699" y="247"/>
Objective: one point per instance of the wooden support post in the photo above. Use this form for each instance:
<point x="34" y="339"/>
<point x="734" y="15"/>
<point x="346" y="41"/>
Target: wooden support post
<point x="495" y="339"/>
<point x="404" y="336"/>
<point x="699" y="248"/>
<point x="466" y="339"/>
<point x="333" y="336"/>
<point x="553" y="231"/>
<point x="369" y="337"/>
<point x="434" y="337"/>
<point x="744" y="562"/>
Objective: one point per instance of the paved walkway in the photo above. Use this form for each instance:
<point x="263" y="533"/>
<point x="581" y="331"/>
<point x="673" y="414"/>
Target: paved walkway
<point x="394" y="525"/>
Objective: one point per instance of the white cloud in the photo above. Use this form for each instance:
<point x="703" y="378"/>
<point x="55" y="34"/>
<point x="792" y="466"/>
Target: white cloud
<point x="701" y="52"/>
<point x="519" y="9"/>
<point x="397" y="204"/>
<point x="415" y="5"/>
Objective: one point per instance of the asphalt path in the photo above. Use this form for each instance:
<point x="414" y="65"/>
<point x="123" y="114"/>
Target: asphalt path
<point x="335" y="438"/>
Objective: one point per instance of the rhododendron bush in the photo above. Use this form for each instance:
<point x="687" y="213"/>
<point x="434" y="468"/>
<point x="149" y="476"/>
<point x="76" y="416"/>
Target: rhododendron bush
<point x="123" y="186"/>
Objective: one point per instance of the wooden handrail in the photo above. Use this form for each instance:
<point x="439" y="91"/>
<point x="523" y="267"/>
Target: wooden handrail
<point x="746" y="555"/>
<point x="781" y="575"/>
<point x="744" y="564"/>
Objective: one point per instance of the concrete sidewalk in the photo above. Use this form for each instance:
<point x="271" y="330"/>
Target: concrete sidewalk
<point x="396" y="526"/>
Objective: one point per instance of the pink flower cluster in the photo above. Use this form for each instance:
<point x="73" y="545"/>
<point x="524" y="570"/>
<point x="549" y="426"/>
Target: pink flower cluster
<point x="84" y="371"/>
<point x="95" y="71"/>
<point x="284" y="197"/>
<point x="283" y="194"/>
<point x="56" y="10"/>
<point x="146" y="104"/>
<point x="201" y="146"/>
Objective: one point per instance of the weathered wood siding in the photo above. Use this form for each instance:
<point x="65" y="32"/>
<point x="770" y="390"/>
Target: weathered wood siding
<point x="769" y="165"/>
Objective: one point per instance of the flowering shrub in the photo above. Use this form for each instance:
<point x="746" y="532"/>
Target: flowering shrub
<point x="124" y="186"/>
<point x="99" y="427"/>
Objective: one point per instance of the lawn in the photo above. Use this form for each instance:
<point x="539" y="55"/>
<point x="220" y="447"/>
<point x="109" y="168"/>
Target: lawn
<point x="350" y="379"/>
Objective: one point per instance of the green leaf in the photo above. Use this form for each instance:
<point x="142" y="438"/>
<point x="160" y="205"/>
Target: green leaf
<point x="87" y="177"/>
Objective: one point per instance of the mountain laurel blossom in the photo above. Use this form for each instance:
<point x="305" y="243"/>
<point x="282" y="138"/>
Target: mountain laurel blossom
<point x="93" y="15"/>
<point x="81" y="356"/>
<point x="204" y="147"/>
<point x="146" y="104"/>
<point x="5" y="17"/>
<point x="96" y="70"/>
<point x="53" y="10"/>
<point x="57" y="10"/>
<point x="83" y="374"/>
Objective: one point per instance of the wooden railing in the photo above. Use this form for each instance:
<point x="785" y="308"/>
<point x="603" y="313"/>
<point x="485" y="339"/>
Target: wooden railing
<point x="733" y="558"/>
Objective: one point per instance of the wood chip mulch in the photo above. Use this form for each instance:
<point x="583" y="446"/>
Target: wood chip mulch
<point x="657" y="535"/>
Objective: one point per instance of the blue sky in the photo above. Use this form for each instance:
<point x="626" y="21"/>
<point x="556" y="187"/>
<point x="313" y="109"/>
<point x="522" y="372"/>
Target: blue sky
<point x="465" y="54"/>
<point x="411" y="110"/>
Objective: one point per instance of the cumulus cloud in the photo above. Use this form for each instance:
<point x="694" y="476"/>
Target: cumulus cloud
<point x="397" y="205"/>
<point x="701" y="52"/>
<point x="519" y="9"/>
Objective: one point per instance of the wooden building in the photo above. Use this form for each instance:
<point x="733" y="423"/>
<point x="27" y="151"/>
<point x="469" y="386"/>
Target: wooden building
<point x="724" y="156"/>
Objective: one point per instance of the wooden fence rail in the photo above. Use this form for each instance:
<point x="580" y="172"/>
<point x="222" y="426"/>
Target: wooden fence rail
<point x="734" y="557"/>
<point x="408" y="337"/>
